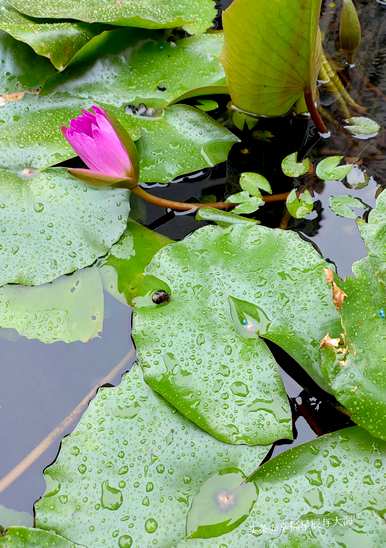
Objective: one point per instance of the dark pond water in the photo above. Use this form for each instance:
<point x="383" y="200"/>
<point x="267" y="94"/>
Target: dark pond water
<point x="42" y="384"/>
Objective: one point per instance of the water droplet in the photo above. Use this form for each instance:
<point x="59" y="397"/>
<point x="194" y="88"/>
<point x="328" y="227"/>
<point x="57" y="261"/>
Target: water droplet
<point x="314" y="477"/>
<point x="125" y="541"/>
<point x="151" y="525"/>
<point x="111" y="497"/>
<point x="314" y="498"/>
<point x="39" y="207"/>
<point x="239" y="388"/>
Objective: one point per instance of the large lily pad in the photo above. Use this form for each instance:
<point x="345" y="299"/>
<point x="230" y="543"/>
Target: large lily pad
<point x="355" y="367"/>
<point x="52" y="224"/>
<point x="182" y="140"/>
<point x="69" y="309"/>
<point x="202" y="350"/>
<point x="130" y="469"/>
<point x="272" y="53"/>
<point x="58" y="41"/>
<point x="178" y="141"/>
<point x="195" y="15"/>
<point x="329" y="492"/>
<point x="21" y="537"/>
<point x="123" y="67"/>
<point x="16" y="60"/>
<point x="123" y="270"/>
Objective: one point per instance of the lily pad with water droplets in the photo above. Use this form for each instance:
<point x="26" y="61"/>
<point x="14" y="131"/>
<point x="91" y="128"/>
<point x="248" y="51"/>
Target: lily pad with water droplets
<point x="52" y="224"/>
<point x="69" y="309"/>
<point x="180" y="141"/>
<point x="127" y="67"/>
<point x="23" y="537"/>
<point x="328" y="492"/>
<point x="356" y="368"/>
<point x="194" y="15"/>
<point x="16" y="75"/>
<point x="130" y="470"/>
<point x="58" y="41"/>
<point x="210" y="362"/>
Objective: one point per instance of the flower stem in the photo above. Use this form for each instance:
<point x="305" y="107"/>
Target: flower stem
<point x="187" y="206"/>
<point x="315" y="115"/>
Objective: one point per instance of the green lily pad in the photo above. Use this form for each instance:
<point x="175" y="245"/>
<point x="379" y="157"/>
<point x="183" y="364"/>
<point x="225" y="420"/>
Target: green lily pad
<point x="52" y="224"/>
<point x="362" y="127"/>
<point x="194" y="15"/>
<point x="21" y="537"/>
<point x="253" y="183"/>
<point x="299" y="204"/>
<point x="130" y="470"/>
<point x="16" y="60"/>
<point x="272" y="53"/>
<point x="178" y="141"/>
<point x="226" y="288"/>
<point x="122" y="67"/>
<point x="292" y="168"/>
<point x="330" y="170"/>
<point x="69" y="309"/>
<point x="344" y="205"/>
<point x="329" y="492"/>
<point x="58" y="41"/>
<point x="355" y="368"/>
<point x="182" y="140"/>
<point x="123" y="270"/>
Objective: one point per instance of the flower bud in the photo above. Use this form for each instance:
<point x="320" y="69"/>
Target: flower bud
<point x="350" y="34"/>
<point x="105" y="147"/>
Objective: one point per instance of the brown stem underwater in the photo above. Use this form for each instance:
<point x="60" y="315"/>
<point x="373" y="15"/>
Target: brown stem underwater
<point x="188" y="206"/>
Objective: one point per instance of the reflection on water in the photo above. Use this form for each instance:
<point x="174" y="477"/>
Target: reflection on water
<point x="42" y="384"/>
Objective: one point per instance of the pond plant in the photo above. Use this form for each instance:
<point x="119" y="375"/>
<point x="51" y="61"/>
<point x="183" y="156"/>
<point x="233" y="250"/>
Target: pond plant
<point x="102" y="105"/>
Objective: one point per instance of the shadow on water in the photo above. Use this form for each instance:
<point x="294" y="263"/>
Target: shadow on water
<point x="42" y="384"/>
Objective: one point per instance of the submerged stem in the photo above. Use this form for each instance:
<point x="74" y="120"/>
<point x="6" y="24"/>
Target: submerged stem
<point x="187" y="206"/>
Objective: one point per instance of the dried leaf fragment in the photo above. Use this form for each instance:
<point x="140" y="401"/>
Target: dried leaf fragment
<point x="338" y="295"/>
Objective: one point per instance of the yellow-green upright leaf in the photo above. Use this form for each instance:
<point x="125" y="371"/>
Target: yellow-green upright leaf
<point x="272" y="53"/>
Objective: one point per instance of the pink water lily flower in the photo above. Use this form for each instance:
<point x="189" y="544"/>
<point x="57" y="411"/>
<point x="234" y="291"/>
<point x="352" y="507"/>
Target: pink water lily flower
<point x="105" y="147"/>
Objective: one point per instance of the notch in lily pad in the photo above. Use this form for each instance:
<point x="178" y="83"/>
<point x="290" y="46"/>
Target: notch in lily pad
<point x="253" y="183"/>
<point x="249" y="319"/>
<point x="222" y="504"/>
<point x="291" y="167"/>
<point x="329" y="169"/>
<point x="362" y="127"/>
<point x="300" y="204"/>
